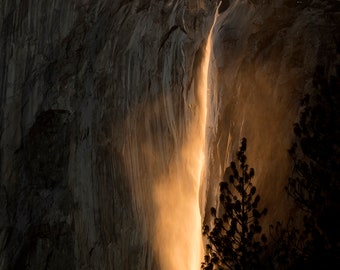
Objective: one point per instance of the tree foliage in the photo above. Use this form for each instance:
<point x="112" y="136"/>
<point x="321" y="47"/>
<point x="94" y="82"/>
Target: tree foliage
<point x="235" y="240"/>
<point x="314" y="184"/>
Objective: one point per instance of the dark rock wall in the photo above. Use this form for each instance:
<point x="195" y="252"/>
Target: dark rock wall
<point x="87" y="87"/>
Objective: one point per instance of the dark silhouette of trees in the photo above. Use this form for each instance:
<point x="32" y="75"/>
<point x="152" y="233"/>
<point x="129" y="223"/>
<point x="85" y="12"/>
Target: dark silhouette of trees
<point x="314" y="184"/>
<point x="235" y="241"/>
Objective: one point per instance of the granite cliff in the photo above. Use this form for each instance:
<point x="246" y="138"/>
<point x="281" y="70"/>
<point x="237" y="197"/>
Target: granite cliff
<point x="98" y="98"/>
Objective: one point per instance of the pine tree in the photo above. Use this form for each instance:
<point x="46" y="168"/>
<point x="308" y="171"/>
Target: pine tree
<point x="314" y="184"/>
<point x="235" y="241"/>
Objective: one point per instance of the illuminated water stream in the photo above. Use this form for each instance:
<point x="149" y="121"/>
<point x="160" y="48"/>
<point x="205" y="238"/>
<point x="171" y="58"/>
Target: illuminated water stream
<point x="178" y="227"/>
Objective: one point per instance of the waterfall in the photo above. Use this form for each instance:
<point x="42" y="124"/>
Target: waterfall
<point x="179" y="215"/>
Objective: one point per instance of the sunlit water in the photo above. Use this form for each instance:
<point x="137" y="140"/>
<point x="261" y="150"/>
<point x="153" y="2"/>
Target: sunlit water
<point x="178" y="221"/>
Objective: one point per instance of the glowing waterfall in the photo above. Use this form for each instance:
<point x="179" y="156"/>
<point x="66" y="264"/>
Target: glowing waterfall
<point x="178" y="235"/>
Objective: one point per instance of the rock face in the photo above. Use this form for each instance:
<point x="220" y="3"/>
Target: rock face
<point x="97" y="98"/>
<point x="93" y="102"/>
<point x="265" y="58"/>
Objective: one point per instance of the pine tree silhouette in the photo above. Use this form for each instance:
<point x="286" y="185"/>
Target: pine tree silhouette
<point x="315" y="181"/>
<point x="235" y="241"/>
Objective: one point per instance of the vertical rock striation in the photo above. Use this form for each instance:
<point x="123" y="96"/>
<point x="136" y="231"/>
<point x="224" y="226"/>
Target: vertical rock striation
<point x="95" y="100"/>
